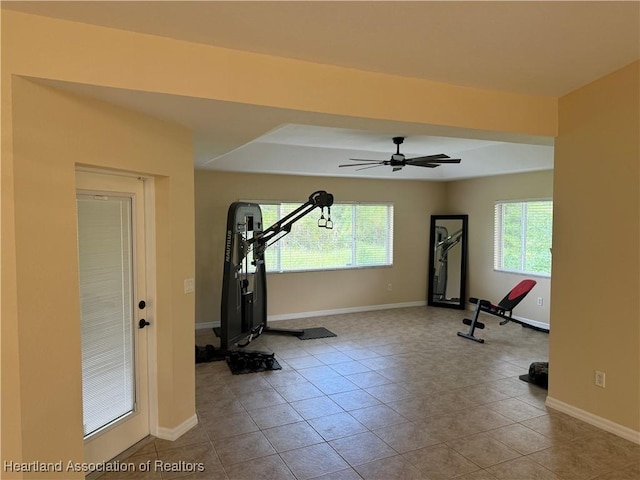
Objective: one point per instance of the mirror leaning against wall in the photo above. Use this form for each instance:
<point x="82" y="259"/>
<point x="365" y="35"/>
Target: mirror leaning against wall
<point x="447" y="261"/>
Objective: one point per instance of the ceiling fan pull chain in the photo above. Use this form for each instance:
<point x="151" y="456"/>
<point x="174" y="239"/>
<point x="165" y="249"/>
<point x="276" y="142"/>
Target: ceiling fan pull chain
<point x="329" y="223"/>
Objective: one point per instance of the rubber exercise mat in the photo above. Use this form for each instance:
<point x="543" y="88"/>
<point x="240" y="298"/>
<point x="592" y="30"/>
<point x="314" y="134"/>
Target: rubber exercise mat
<point x="318" y="332"/>
<point x="308" y="333"/>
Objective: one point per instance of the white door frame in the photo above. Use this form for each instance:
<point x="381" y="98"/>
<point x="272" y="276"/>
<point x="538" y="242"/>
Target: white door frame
<point x="148" y="188"/>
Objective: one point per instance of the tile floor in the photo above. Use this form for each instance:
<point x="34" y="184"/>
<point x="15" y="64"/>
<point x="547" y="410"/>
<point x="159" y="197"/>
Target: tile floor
<point x="396" y="395"/>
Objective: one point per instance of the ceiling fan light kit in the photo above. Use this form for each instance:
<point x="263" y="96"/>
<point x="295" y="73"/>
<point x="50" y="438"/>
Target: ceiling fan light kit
<point x="398" y="160"/>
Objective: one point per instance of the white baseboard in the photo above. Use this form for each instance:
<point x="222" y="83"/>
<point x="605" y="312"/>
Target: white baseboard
<point x="338" y="311"/>
<point x="368" y="308"/>
<point x="596" y="421"/>
<point x="528" y="321"/>
<point x="207" y="325"/>
<point x="321" y="313"/>
<point x="172" y="434"/>
<point x="533" y="323"/>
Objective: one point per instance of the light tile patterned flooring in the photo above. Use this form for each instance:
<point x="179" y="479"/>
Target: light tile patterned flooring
<point x="396" y="395"/>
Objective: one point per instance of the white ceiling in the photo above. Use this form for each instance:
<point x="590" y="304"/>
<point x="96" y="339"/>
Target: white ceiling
<point x="319" y="151"/>
<point x="545" y="48"/>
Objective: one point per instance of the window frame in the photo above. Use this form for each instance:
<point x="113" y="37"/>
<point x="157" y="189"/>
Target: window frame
<point x="353" y="266"/>
<point x="498" y="239"/>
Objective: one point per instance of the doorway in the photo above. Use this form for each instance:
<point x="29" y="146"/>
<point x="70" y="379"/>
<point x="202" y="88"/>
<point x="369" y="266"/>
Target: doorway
<point x="114" y="312"/>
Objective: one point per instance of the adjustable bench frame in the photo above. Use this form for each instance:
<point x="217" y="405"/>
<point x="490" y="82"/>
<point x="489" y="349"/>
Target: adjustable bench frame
<point x="503" y="309"/>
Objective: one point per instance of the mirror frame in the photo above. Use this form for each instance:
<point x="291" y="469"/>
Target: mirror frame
<point x="463" y="267"/>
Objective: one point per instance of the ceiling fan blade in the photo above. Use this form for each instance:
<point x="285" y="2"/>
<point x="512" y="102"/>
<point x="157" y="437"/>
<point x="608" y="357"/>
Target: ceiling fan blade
<point x="448" y="160"/>
<point x="360" y="164"/>
<point x="398" y="161"/>
<point x="422" y="162"/>
<point x="373" y="166"/>
<point x="433" y="158"/>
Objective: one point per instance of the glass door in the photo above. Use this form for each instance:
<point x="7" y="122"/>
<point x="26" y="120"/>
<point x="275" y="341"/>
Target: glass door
<point x="110" y="214"/>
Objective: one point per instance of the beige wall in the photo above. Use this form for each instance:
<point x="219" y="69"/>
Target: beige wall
<point x="476" y="197"/>
<point x="414" y="202"/>
<point x="41" y="301"/>
<point x="53" y="132"/>
<point x="292" y="293"/>
<point x="89" y="132"/>
<point x="595" y="291"/>
<point x="63" y="50"/>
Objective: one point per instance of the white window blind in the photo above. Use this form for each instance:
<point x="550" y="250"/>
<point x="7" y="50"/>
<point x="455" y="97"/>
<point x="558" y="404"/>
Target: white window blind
<point x="106" y="310"/>
<point x="362" y="236"/>
<point x="522" y="236"/>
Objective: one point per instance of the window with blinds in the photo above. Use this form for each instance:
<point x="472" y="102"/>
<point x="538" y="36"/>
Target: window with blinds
<point x="522" y="237"/>
<point x="362" y="236"/>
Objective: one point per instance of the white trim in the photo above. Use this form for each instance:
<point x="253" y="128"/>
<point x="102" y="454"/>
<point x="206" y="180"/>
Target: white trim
<point x="172" y="434"/>
<point x="528" y="321"/>
<point x="322" y="313"/>
<point x="533" y="323"/>
<point x="524" y="200"/>
<point x="207" y="325"/>
<point x="140" y="188"/>
<point x="337" y="311"/>
<point x="108" y="171"/>
<point x="152" y="293"/>
<point x="602" y="423"/>
<point x="367" y="308"/>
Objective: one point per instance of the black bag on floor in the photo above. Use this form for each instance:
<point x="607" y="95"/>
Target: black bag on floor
<point x="539" y="374"/>
<point x="206" y="354"/>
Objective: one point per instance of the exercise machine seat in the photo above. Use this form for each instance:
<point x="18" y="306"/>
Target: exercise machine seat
<point x="503" y="309"/>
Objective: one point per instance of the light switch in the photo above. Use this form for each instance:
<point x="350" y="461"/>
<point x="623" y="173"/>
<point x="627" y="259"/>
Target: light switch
<point x="189" y="285"/>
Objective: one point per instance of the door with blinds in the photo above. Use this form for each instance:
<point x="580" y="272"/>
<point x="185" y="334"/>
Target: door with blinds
<point x="113" y="312"/>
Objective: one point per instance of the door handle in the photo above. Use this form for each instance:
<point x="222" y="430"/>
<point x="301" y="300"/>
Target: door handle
<point x="143" y="323"/>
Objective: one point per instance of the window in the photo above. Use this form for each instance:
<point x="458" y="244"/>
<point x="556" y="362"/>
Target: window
<point x="522" y="237"/>
<point x="362" y="236"/>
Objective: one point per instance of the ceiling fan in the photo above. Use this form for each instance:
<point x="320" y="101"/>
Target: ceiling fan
<point x="398" y="160"/>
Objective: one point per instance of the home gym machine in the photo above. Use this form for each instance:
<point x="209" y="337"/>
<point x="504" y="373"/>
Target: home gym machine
<point x="244" y="282"/>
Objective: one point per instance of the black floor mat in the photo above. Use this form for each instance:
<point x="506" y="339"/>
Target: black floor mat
<point x="308" y="333"/>
<point x="318" y="332"/>
<point x="247" y="366"/>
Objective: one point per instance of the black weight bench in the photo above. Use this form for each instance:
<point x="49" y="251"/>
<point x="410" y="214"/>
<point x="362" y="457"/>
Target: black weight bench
<point x="502" y="309"/>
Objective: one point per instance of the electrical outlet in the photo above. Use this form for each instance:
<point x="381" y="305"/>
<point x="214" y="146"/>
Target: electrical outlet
<point x="600" y="378"/>
<point x="389" y="287"/>
<point x="540" y="301"/>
